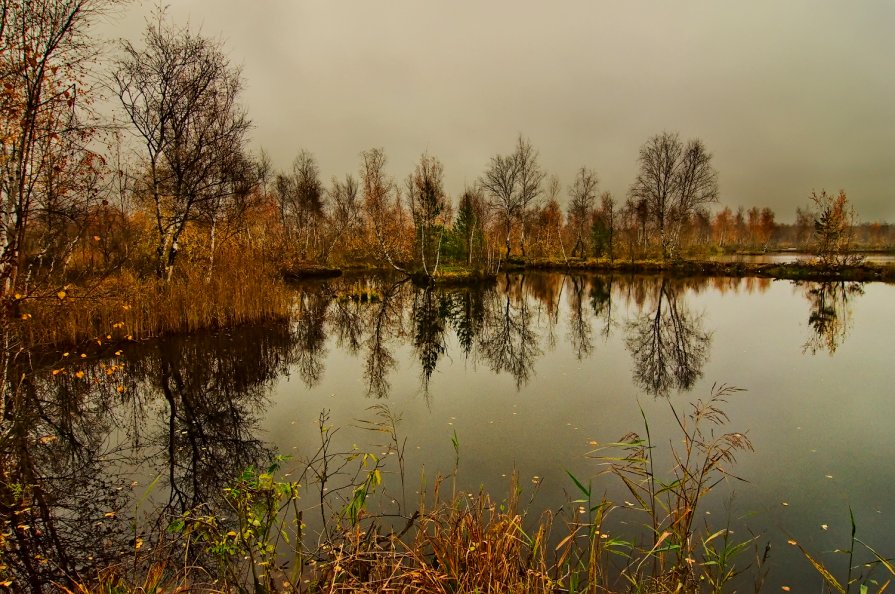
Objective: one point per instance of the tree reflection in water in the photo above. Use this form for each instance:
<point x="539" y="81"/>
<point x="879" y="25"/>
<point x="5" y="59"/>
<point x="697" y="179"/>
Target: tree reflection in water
<point x="430" y="312"/>
<point x="508" y="342"/>
<point x="830" y="315"/>
<point x="667" y="343"/>
<point x="188" y="417"/>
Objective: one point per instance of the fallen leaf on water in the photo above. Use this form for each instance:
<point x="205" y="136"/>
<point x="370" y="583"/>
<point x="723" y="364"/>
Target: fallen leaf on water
<point x="823" y="526"/>
<point x="792" y="542"/>
<point x="785" y="588"/>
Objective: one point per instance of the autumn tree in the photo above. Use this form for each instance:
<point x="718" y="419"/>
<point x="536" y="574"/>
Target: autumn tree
<point x="45" y="162"/>
<point x="767" y="226"/>
<point x="469" y="224"/>
<point x="385" y="218"/>
<point x="723" y="226"/>
<point x="833" y="229"/>
<point x="182" y="97"/>
<point x="674" y="179"/>
<point x="429" y="209"/>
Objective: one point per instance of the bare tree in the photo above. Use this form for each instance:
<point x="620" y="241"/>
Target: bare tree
<point x="674" y="180"/>
<point x="531" y="176"/>
<point x="500" y="181"/>
<point x="582" y="198"/>
<point x="604" y="224"/>
<point x="344" y="213"/>
<point x="181" y="95"/>
<point x="300" y="198"/>
<point x="513" y="182"/>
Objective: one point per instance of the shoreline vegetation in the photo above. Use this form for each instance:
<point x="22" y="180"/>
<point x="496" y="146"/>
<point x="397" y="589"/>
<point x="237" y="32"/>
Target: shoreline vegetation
<point x="123" y="307"/>
<point x="806" y="270"/>
<point x="258" y="536"/>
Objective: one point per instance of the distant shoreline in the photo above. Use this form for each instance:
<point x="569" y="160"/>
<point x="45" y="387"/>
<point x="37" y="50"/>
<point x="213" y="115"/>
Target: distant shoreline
<point x="802" y="270"/>
<point x="808" y="271"/>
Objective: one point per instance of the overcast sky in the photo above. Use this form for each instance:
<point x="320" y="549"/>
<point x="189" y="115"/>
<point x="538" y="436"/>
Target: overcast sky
<point x="789" y="95"/>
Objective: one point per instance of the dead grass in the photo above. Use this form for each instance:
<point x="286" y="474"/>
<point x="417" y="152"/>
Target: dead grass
<point x="123" y="306"/>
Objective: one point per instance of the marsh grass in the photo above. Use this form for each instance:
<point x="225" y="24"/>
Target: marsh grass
<point x="123" y="306"/>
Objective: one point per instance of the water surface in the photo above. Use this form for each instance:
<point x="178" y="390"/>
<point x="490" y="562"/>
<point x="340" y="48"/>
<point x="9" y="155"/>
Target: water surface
<point x="528" y="374"/>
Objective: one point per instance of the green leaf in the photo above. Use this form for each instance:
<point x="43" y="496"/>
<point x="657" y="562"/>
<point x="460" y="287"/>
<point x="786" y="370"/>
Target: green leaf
<point x="580" y="486"/>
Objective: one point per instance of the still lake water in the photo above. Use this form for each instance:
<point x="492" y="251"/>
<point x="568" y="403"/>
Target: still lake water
<point x="528" y="374"/>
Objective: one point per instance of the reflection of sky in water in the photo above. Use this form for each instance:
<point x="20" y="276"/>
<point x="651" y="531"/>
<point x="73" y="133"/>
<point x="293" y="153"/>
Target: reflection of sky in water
<point x="809" y="416"/>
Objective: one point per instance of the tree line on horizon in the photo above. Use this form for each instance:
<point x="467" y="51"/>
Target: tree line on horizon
<point x="174" y="192"/>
